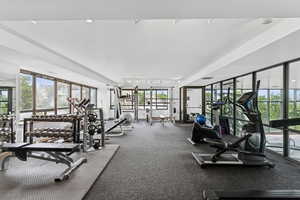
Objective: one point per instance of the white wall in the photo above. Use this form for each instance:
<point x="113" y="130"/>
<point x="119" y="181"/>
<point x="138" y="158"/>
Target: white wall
<point x="103" y="101"/>
<point x="195" y="101"/>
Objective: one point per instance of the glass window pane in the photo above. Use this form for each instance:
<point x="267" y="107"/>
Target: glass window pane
<point x="294" y="109"/>
<point x="44" y="93"/>
<point x="26" y="99"/>
<point x="208" y="102"/>
<point x="141" y="99"/>
<point x="94" y="96"/>
<point x="227" y="109"/>
<point x="63" y="92"/>
<point x="112" y="98"/>
<point x="216" y="92"/>
<point x="3" y="95"/>
<point x="270" y="104"/>
<point x="76" y="91"/>
<point x="85" y="92"/>
<point x="243" y="85"/>
<point x="127" y="103"/>
<point x="162" y="99"/>
<point x="147" y="99"/>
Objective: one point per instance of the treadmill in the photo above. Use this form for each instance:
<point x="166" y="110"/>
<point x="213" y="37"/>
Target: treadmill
<point x="258" y="194"/>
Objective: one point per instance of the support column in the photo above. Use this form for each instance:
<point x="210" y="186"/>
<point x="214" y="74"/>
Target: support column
<point x="286" y="145"/>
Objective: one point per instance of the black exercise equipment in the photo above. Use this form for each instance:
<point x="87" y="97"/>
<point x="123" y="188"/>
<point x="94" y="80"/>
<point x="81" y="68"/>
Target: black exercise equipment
<point x="92" y="117"/>
<point x="200" y="132"/>
<point x="92" y="129"/>
<point x="258" y="194"/>
<point x="58" y="153"/>
<point x="249" y="148"/>
<point x="116" y="125"/>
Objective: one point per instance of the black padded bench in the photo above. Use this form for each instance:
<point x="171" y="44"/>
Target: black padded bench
<point x="58" y="153"/>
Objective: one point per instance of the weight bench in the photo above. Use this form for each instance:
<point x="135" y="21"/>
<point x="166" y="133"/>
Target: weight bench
<point x="58" y="153"/>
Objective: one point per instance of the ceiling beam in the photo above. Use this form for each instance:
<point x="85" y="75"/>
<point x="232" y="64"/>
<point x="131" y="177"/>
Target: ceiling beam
<point x="275" y="33"/>
<point x="145" y="9"/>
<point x="21" y="43"/>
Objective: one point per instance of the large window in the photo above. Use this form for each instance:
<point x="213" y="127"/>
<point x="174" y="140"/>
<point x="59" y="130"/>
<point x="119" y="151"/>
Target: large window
<point x="94" y="96"/>
<point x="63" y="93"/>
<point x="270" y="104"/>
<point x="39" y="92"/>
<point x="216" y="96"/>
<point x="141" y="99"/>
<point x="127" y="100"/>
<point x="112" y="97"/>
<point x="227" y="97"/>
<point x="76" y="91"/>
<point x="160" y="99"/>
<point x="26" y="89"/>
<point x="278" y="98"/>
<point x="5" y="100"/>
<point x="208" y="102"/>
<point x="294" y="109"/>
<point x="44" y="94"/>
<point x="86" y="92"/>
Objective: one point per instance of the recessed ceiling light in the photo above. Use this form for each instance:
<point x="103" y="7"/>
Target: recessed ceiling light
<point x="33" y="22"/>
<point x="293" y="80"/>
<point x="89" y="21"/>
<point x="207" y="78"/>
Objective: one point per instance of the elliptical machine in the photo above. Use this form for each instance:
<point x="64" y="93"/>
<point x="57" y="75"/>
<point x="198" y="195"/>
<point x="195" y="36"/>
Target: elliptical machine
<point x="249" y="148"/>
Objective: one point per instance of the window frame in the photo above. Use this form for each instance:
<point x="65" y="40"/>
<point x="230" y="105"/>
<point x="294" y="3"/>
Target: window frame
<point x="56" y="80"/>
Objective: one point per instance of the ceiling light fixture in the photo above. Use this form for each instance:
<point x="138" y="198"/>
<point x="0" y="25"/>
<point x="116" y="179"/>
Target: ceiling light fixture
<point x="89" y="21"/>
<point x="33" y="22"/>
<point x="293" y="80"/>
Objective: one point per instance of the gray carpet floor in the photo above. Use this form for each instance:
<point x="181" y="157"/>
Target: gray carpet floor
<point x="156" y="163"/>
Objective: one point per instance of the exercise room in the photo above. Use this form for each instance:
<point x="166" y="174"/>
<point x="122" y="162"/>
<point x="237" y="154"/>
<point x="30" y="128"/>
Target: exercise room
<point x="149" y="100"/>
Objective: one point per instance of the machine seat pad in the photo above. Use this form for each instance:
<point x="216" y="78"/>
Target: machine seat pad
<point x="13" y="146"/>
<point x="52" y="147"/>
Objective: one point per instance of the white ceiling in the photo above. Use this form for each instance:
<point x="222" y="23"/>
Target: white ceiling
<point x="145" y="9"/>
<point x="11" y="61"/>
<point x="149" y="49"/>
<point x="285" y="49"/>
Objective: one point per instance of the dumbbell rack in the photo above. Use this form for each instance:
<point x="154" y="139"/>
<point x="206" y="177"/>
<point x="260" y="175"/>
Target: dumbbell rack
<point x="29" y="132"/>
<point x="7" y="133"/>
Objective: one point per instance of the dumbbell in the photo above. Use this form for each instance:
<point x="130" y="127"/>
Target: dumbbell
<point x="96" y="144"/>
<point x="91" y="129"/>
<point x="92" y="117"/>
<point x="99" y="129"/>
